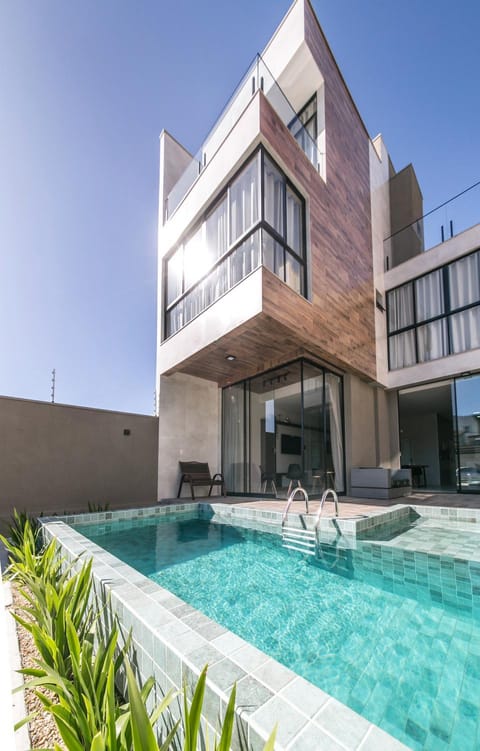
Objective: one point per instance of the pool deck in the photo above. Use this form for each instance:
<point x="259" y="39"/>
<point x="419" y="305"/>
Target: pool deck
<point x="349" y="508"/>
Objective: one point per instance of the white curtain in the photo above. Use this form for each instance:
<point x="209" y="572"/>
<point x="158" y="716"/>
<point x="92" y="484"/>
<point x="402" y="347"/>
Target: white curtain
<point x="216" y="234"/>
<point x="274" y="186"/>
<point x="464" y="279"/>
<point x="429" y="296"/>
<point x="465" y="330"/>
<point x="244" y="201"/>
<point x="432" y="341"/>
<point x="333" y="399"/>
<point x="402" y="350"/>
<point x="233" y="432"/>
<point x="400" y="307"/>
<point x="294" y="222"/>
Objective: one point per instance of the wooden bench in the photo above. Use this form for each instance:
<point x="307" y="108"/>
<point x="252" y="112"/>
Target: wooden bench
<point x="197" y="474"/>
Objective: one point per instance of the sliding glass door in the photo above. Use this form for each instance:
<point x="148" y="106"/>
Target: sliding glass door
<point x="440" y="434"/>
<point x="467" y="435"/>
<point x="284" y="428"/>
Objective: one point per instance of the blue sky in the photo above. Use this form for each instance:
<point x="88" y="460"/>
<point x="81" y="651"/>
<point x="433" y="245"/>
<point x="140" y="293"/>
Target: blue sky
<point x="85" y="89"/>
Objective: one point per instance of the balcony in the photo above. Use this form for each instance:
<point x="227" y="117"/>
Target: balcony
<point x="258" y="220"/>
<point x="434" y="228"/>
<point x="257" y="78"/>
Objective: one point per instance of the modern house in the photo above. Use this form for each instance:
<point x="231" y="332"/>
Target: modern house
<point x="303" y="328"/>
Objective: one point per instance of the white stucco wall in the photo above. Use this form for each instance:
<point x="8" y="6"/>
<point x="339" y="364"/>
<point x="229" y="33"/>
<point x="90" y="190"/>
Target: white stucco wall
<point x="380" y="207"/>
<point x="189" y="429"/>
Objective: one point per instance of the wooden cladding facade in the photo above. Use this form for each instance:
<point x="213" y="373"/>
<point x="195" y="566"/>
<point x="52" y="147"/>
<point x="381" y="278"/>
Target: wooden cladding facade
<point x="336" y="324"/>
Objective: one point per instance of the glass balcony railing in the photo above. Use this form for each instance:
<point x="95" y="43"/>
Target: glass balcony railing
<point x="257" y="77"/>
<point x="447" y="220"/>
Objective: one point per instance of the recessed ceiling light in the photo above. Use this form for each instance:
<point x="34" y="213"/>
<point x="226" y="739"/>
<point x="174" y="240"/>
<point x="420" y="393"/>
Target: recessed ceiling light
<point x="231" y="358"/>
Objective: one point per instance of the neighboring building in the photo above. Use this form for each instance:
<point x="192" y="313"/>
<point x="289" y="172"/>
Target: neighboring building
<point x="299" y="318"/>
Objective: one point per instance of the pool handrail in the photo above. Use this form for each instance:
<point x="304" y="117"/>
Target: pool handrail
<point x="291" y="498"/>
<point x="328" y="491"/>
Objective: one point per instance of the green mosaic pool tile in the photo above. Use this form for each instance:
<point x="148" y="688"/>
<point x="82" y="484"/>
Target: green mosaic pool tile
<point x="378" y="702"/>
<point x="433" y="743"/>
<point x="441" y="723"/>
<point x="415" y="732"/>
<point x="464" y="733"/>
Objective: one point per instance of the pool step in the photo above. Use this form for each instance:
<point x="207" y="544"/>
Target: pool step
<point x="301" y="540"/>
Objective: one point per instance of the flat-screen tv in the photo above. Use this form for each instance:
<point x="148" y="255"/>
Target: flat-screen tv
<point x="291" y="444"/>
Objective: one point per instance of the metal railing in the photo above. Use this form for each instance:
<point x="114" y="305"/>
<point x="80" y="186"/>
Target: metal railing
<point x="328" y="491"/>
<point x="291" y="497"/>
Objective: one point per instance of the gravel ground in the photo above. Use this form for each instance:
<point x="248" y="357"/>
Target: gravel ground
<point x="42" y="729"/>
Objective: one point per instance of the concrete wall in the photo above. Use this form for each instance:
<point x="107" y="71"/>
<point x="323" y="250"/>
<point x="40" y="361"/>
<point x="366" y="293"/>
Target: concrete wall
<point x="371" y="426"/>
<point x="189" y="429"/>
<point x="55" y="457"/>
<point x="360" y="444"/>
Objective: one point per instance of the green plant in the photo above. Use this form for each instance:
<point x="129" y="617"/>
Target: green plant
<point x="54" y="608"/>
<point x="95" y="508"/>
<point x="18" y="522"/>
<point x="80" y="659"/>
<point x="23" y="544"/>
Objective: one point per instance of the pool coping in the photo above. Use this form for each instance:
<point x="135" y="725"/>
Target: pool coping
<point x="175" y="641"/>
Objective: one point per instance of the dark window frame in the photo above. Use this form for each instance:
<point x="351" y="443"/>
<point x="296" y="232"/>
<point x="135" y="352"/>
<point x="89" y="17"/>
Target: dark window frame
<point x="449" y="311"/>
<point x="260" y="226"/>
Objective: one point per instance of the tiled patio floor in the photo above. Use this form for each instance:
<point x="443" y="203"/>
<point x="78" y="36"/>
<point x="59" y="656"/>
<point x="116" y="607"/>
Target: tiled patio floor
<point x="350" y="508"/>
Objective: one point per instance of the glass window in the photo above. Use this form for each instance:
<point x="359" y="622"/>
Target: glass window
<point x="333" y="424"/>
<point x="464" y="281"/>
<point x="273" y="255"/>
<point x="230" y="243"/>
<point x="400" y="307"/>
<point x="429" y="296"/>
<point x="245" y="258"/>
<point x="174" y="319"/>
<point x="432" y="341"/>
<point x="402" y="350"/>
<point x="195" y="258"/>
<point x="244" y="199"/>
<point x="174" y="276"/>
<point x="293" y="273"/>
<point x="274" y="185"/>
<point x="465" y="330"/>
<point x="294" y="222"/>
<point x="308" y="117"/>
<point x="282" y="427"/>
<point x="468" y="434"/>
<point x="216" y="231"/>
<point x="233" y="438"/>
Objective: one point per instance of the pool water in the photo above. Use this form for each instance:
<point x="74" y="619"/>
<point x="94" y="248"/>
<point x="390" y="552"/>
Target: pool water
<point x="400" y="646"/>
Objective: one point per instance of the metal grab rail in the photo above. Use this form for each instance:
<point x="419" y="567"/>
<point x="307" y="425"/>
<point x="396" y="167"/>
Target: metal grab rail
<point x="290" y="499"/>
<point x="329" y="491"/>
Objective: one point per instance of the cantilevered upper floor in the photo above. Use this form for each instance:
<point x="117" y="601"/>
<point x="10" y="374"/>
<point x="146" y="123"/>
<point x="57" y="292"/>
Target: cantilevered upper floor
<point x="265" y="235"/>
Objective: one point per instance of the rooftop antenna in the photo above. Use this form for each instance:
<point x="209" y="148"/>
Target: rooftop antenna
<point x="53" y="386"/>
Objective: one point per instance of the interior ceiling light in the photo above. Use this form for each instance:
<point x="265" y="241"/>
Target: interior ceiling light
<point x="230" y="358"/>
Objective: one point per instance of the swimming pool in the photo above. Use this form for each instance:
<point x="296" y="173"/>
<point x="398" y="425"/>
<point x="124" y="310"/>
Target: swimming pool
<point x="392" y="633"/>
